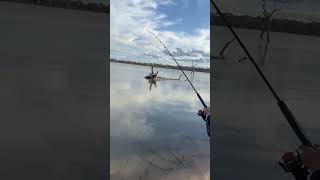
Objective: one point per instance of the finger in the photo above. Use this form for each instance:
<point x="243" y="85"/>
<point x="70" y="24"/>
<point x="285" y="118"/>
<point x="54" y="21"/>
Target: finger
<point x="317" y="146"/>
<point x="303" y="148"/>
<point x="306" y="148"/>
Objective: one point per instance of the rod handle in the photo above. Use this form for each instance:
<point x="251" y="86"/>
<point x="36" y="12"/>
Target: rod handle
<point x="294" y="123"/>
<point x="204" y="104"/>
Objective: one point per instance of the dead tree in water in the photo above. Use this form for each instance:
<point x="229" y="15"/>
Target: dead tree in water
<point x="193" y="70"/>
<point x="267" y="18"/>
<point x="225" y="47"/>
<point x="222" y="52"/>
<point x="268" y="11"/>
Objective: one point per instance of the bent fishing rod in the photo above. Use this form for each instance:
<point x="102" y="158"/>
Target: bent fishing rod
<point x="204" y="116"/>
<point x="282" y="105"/>
<point x="203" y="103"/>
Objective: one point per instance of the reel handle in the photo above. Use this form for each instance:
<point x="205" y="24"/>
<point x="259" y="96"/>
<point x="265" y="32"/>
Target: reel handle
<point x="291" y="163"/>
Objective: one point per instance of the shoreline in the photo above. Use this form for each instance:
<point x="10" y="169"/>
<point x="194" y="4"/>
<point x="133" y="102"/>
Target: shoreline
<point x="277" y="24"/>
<point x="72" y="5"/>
<point x="187" y="68"/>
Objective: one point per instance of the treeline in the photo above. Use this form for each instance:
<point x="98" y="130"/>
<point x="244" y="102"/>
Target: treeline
<point x="187" y="68"/>
<point x="277" y="25"/>
<point x="68" y="4"/>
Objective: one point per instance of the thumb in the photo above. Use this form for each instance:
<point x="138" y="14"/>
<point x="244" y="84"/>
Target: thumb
<point x="305" y="149"/>
<point x="316" y="147"/>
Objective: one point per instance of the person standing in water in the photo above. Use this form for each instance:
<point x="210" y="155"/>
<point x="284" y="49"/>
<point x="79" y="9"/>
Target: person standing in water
<point x="152" y="75"/>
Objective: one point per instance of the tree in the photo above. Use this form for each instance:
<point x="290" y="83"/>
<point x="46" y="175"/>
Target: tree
<point x="268" y="10"/>
<point x="222" y="52"/>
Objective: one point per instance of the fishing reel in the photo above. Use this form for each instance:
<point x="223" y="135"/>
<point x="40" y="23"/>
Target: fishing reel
<point x="291" y="163"/>
<point x="202" y="114"/>
<point x="206" y="118"/>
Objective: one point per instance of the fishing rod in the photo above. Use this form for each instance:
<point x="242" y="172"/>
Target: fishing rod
<point x="290" y="162"/>
<point x="205" y="117"/>
<point x="203" y="103"/>
<point x="282" y="105"/>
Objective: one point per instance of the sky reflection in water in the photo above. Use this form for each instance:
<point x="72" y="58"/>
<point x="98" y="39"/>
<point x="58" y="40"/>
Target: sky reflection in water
<point x="156" y="134"/>
<point x="250" y="132"/>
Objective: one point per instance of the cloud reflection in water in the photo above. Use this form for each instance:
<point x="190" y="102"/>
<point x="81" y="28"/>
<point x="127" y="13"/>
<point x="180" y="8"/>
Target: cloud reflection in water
<point x="156" y="134"/>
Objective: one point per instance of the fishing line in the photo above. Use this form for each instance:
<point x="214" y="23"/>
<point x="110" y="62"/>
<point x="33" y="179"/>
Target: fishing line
<point x="203" y="103"/>
<point x="282" y="105"/>
<point x="161" y="57"/>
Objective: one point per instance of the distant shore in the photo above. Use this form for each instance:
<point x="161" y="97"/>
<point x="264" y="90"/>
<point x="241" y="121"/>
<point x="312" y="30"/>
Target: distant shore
<point x="187" y="68"/>
<point x="67" y="4"/>
<point x="277" y="25"/>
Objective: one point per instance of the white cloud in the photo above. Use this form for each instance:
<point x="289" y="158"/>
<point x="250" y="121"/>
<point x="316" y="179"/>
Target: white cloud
<point x="129" y="20"/>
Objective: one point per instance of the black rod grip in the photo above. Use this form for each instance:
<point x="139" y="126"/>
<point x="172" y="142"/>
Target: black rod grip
<point x="294" y="124"/>
<point x="204" y="104"/>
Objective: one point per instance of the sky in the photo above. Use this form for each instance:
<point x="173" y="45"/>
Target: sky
<point x="305" y="10"/>
<point x="182" y="25"/>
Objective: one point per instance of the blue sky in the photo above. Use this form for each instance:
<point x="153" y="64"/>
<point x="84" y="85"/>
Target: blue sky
<point x="194" y="14"/>
<point x="183" y="25"/>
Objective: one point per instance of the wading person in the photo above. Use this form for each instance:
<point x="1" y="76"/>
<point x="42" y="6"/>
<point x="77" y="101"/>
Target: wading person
<point x="152" y="75"/>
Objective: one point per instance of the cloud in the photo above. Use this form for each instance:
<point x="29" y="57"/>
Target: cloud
<point x="129" y="20"/>
<point x="134" y="133"/>
<point x="178" y="52"/>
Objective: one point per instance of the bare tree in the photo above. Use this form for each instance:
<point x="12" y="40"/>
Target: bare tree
<point x="222" y="52"/>
<point x="193" y="70"/>
<point x="225" y="47"/>
<point x="243" y="59"/>
<point x="267" y="13"/>
<point x="194" y="66"/>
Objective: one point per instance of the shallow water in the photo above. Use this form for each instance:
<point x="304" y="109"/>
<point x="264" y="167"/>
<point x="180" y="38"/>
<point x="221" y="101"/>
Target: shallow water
<point x="156" y="134"/>
<point x="250" y="132"/>
<point x="53" y="93"/>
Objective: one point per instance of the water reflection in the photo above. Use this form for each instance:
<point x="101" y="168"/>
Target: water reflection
<point x="156" y="134"/>
<point x="250" y="132"/>
<point x="154" y="77"/>
<point x="152" y="82"/>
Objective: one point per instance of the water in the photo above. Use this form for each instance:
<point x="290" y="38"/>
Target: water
<point x="250" y="132"/>
<point x="156" y="134"/>
<point x="53" y="93"/>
